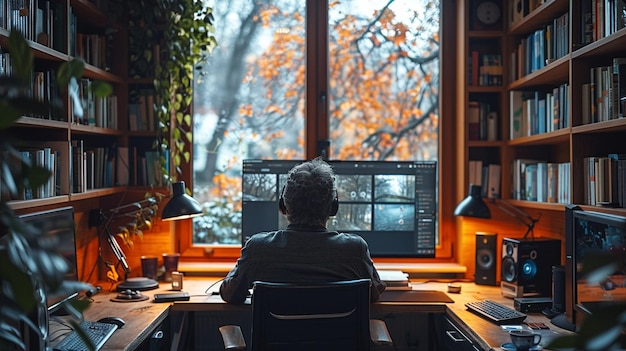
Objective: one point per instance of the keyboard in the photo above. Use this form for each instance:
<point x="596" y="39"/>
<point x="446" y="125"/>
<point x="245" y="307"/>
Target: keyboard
<point x="495" y="312"/>
<point x="97" y="332"/>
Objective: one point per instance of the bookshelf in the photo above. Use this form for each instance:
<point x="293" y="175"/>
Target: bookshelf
<point x="481" y="99"/>
<point x="586" y="124"/>
<point x="554" y="54"/>
<point x="96" y="31"/>
<point x="95" y="151"/>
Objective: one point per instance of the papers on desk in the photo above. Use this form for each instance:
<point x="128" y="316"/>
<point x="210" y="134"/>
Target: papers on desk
<point x="395" y="280"/>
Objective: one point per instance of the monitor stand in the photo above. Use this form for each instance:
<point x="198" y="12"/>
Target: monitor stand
<point x="562" y="322"/>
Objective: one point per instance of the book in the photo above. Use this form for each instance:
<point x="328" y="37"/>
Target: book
<point x="542" y="181"/>
<point x="619" y="87"/>
<point x="586" y="14"/>
<point x="530" y="182"/>
<point x="590" y="180"/>
<point x="395" y="279"/>
<point x="473" y="118"/>
<point x="475" y="172"/>
<point x="492" y="126"/>
<point x="493" y="181"/>
<point x="122" y="169"/>
<point x="516" y="113"/>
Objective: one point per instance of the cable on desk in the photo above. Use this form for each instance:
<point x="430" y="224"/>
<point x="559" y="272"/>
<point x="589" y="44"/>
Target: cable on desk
<point x="208" y="290"/>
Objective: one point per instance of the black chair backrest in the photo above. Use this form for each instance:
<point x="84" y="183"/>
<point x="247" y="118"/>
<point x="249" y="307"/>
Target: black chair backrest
<point x="330" y="316"/>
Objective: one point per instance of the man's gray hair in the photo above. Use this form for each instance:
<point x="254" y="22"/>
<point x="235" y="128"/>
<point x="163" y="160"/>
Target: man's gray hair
<point x="309" y="192"/>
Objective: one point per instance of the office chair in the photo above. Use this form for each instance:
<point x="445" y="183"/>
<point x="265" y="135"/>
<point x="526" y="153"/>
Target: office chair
<point x="329" y="316"/>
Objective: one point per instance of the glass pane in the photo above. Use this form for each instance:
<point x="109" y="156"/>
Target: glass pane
<point x="250" y="105"/>
<point x="384" y="79"/>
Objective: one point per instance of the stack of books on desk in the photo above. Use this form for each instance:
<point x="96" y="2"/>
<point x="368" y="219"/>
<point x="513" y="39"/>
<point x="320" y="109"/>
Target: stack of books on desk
<point x="395" y="280"/>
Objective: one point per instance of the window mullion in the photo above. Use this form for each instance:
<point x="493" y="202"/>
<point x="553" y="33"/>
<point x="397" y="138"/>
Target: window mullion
<point x="317" y="78"/>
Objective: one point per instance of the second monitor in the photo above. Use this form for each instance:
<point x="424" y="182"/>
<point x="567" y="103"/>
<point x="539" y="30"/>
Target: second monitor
<point x="391" y="204"/>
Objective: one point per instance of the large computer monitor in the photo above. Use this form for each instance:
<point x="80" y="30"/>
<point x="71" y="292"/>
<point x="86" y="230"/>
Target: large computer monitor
<point x="391" y="204"/>
<point x="58" y="225"/>
<point x="598" y="234"/>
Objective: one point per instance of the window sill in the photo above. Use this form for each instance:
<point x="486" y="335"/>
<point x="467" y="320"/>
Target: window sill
<point x="415" y="270"/>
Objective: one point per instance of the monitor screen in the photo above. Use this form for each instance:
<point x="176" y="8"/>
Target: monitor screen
<point x="391" y="204"/>
<point x="58" y="223"/>
<point x="596" y="233"/>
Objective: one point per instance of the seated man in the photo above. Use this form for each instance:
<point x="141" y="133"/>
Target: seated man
<point x="305" y="252"/>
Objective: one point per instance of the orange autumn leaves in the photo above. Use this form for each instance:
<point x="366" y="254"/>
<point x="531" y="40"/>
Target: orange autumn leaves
<point x="383" y="96"/>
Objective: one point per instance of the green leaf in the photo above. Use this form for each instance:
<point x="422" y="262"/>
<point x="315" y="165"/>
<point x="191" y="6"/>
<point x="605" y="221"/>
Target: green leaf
<point x="597" y="266"/>
<point x="21" y="56"/>
<point x="100" y="88"/>
<point x="69" y="70"/>
<point x="8" y="334"/>
<point x="36" y="176"/>
<point x="9" y="114"/>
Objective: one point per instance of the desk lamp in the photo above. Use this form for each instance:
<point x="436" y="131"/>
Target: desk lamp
<point x="474" y="206"/>
<point x="181" y="205"/>
<point x="139" y="211"/>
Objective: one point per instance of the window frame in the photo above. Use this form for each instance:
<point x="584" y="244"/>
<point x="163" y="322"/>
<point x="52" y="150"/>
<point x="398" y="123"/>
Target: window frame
<point x="317" y="130"/>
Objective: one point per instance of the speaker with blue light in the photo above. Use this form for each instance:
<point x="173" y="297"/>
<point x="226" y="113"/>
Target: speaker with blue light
<point x="527" y="266"/>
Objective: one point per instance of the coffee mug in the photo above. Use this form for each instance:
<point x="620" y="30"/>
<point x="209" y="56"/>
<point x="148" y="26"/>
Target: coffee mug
<point x="524" y="339"/>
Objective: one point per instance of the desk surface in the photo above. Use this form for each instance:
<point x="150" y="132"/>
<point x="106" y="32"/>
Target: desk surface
<point x="144" y="316"/>
<point x="488" y="335"/>
<point x="141" y="318"/>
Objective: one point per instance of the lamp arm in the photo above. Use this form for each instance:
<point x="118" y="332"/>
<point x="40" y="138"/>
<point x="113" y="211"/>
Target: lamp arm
<point x="138" y="205"/>
<point x="117" y="251"/>
<point x="518" y="214"/>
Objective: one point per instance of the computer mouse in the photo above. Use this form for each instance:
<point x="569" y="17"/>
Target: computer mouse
<point x="113" y="320"/>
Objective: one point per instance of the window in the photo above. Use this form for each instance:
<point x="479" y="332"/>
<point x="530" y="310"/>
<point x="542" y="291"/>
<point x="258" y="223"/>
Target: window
<point x="358" y="80"/>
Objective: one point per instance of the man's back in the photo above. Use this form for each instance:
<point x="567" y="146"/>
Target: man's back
<point x="298" y="256"/>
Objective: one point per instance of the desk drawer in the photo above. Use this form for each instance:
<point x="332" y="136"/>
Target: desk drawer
<point x="452" y="339"/>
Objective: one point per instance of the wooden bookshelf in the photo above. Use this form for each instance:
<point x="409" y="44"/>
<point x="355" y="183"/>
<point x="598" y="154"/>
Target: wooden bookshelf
<point x="571" y="142"/>
<point x="91" y="21"/>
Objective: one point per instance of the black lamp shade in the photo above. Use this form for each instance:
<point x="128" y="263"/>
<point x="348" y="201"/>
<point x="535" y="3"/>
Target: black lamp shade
<point x="181" y="205"/>
<point x="473" y="205"/>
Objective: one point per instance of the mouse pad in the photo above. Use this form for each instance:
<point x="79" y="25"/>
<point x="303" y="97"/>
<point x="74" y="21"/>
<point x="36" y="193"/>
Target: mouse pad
<point x="415" y="296"/>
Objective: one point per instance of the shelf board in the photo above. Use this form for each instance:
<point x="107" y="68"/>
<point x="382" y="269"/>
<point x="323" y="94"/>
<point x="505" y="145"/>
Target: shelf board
<point x="614" y="125"/>
<point x="41" y="123"/>
<point x="95" y="193"/>
<point x="551" y="206"/>
<point x="485" y="143"/>
<point x="83" y="129"/>
<point x="542" y="15"/>
<point x="552" y="74"/>
<point x="556" y="137"/>
<point x="484" y="89"/>
<point x="610" y="45"/>
<point x="39" y="51"/>
<point x="101" y="74"/>
<point x="87" y="9"/>
<point x="22" y="204"/>
<point x="611" y="210"/>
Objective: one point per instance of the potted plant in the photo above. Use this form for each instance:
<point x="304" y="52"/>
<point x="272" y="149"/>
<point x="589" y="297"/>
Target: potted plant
<point x="187" y="42"/>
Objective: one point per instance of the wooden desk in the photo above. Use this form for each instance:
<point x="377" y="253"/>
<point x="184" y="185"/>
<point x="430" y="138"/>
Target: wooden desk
<point x="203" y="311"/>
<point x="485" y="334"/>
<point x="142" y="319"/>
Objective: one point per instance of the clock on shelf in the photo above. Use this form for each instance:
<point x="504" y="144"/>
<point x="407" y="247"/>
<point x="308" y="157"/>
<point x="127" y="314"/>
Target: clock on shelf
<point x="486" y="14"/>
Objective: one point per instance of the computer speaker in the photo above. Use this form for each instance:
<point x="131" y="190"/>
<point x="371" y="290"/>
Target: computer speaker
<point x="486" y="259"/>
<point x="527" y="266"/>
<point x="558" y="288"/>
